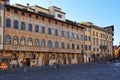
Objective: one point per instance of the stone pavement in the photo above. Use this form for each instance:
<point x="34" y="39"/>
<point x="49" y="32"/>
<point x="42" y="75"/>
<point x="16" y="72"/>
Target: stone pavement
<point x="69" y="72"/>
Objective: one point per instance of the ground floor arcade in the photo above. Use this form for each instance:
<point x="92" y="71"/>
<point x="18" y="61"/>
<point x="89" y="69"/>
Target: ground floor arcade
<point x="30" y="58"/>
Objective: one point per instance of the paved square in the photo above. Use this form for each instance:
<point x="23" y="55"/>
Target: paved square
<point x="71" y="72"/>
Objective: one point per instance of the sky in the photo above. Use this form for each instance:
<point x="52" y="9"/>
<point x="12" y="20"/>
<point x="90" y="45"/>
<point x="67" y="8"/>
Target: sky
<point x="102" y="13"/>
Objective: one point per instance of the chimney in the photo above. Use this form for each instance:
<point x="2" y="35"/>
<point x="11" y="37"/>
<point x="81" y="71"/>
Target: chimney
<point x="28" y="5"/>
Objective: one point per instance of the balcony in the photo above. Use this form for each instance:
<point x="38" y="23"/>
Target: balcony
<point x="103" y="47"/>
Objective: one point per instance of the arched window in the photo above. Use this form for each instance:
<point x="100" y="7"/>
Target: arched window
<point x="22" y="41"/>
<point x="8" y="39"/>
<point x="56" y="32"/>
<point x="22" y="26"/>
<point x="15" y="40"/>
<point x="62" y="45"/>
<point x="36" y="28"/>
<point x="72" y="35"/>
<point x="56" y="44"/>
<point x="43" y="29"/>
<point x="15" y="24"/>
<point x="8" y="23"/>
<point x="43" y="43"/>
<point x="30" y="41"/>
<point x="36" y="42"/>
<point x="67" y="34"/>
<point x="30" y="27"/>
<point x="73" y="46"/>
<point x="62" y="33"/>
<point x="50" y="44"/>
<point x="49" y="31"/>
<point x="68" y="46"/>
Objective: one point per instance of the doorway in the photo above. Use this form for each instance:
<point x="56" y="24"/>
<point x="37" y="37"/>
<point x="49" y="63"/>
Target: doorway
<point x="27" y="61"/>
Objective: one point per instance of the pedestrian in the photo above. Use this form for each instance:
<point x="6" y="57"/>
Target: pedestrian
<point x="12" y="68"/>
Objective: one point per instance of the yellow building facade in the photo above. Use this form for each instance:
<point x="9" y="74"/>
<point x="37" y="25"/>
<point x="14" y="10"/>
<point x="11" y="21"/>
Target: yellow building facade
<point x="98" y="42"/>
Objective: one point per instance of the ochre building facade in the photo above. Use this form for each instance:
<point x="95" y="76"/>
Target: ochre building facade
<point x="38" y="36"/>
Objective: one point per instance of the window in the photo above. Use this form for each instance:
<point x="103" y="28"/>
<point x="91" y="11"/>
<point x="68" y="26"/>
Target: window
<point x="30" y="42"/>
<point x="73" y="47"/>
<point x="89" y="29"/>
<point x="49" y="31"/>
<point x="89" y="47"/>
<point x="43" y="29"/>
<point x="93" y="49"/>
<point x="15" y="40"/>
<point x="49" y="20"/>
<point x="85" y="47"/>
<point x="22" y="41"/>
<point x="77" y="36"/>
<point x="15" y="24"/>
<point x="0" y="39"/>
<point x="22" y="26"/>
<point x="8" y="9"/>
<point x="43" y="43"/>
<point x="50" y="44"/>
<point x="78" y="47"/>
<point x="8" y="23"/>
<point x="23" y="14"/>
<point x="96" y="41"/>
<point x="30" y="27"/>
<point x="93" y="33"/>
<point x="8" y="39"/>
<point x="30" y="15"/>
<point x="36" y="17"/>
<point x="101" y="35"/>
<point x="56" y="44"/>
<point x="81" y="37"/>
<point x="56" y="32"/>
<point x="36" y="28"/>
<point x="62" y="33"/>
<point x="89" y="38"/>
<point x="16" y="11"/>
<point x="55" y="22"/>
<point x="43" y="18"/>
<point x="93" y="40"/>
<point x="96" y="34"/>
<point x="62" y="45"/>
<point x="82" y="46"/>
<point x="59" y="15"/>
<point x="72" y="35"/>
<point x="67" y="34"/>
<point x="85" y="37"/>
<point x="68" y="46"/>
<point x="36" y="42"/>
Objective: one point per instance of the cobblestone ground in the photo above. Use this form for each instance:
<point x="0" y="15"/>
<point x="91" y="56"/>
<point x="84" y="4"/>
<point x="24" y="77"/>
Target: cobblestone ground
<point x="71" y="72"/>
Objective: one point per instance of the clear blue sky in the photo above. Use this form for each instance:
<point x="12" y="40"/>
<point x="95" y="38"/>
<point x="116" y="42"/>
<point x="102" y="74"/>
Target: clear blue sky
<point x="100" y="12"/>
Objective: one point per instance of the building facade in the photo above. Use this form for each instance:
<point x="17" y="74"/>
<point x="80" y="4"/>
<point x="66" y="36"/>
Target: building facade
<point x="98" y="42"/>
<point x="38" y="36"/>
